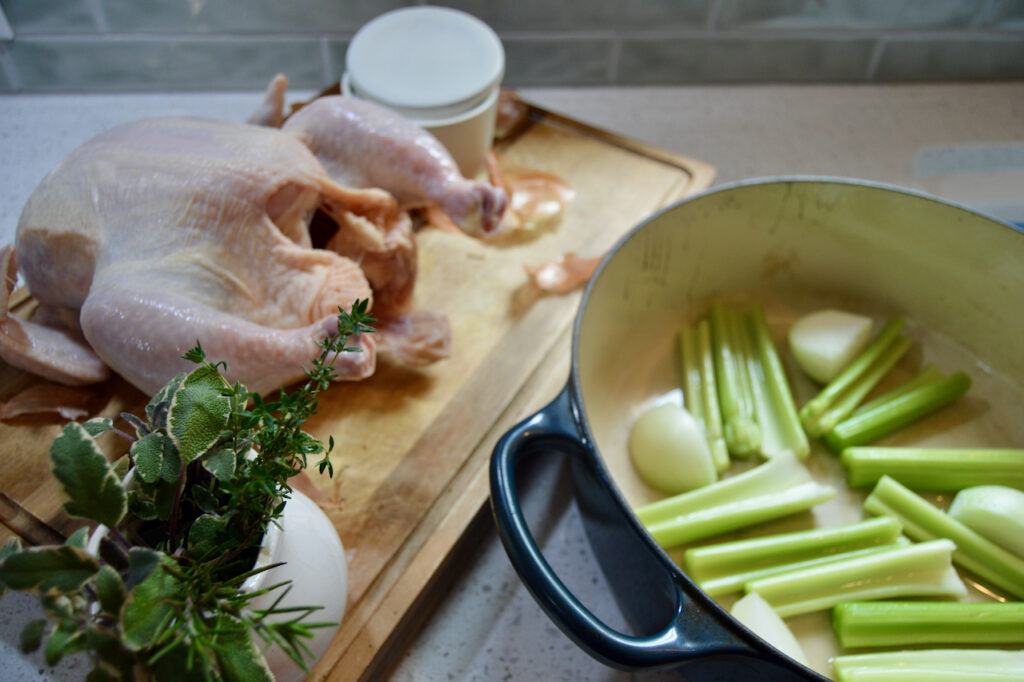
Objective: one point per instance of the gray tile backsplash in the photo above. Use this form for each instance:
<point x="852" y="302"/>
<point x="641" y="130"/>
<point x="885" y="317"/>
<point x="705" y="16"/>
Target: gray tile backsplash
<point x="139" y="45"/>
<point x="744" y="60"/>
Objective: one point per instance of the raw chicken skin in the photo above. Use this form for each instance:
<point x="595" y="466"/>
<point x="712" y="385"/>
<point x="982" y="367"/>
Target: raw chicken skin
<point x="169" y="231"/>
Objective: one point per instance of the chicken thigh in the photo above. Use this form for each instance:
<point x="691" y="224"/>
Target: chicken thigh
<point x="162" y="233"/>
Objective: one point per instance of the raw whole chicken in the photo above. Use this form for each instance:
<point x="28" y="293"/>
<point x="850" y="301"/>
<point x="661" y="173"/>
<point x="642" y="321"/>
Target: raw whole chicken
<point x="163" y="232"/>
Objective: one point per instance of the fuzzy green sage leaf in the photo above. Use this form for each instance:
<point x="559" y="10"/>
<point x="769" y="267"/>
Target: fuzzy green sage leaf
<point x="146" y="610"/>
<point x="221" y="464"/>
<point x="110" y="590"/>
<point x="93" y="489"/>
<point x="198" y="412"/>
<point x="238" y="658"/>
<point x="48" y="570"/>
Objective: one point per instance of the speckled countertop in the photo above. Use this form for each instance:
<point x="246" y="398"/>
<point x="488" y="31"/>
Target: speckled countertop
<point x="963" y="142"/>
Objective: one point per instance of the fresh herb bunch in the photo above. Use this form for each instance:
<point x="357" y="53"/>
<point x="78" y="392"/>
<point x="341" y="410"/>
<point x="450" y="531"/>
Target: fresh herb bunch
<point x="210" y="465"/>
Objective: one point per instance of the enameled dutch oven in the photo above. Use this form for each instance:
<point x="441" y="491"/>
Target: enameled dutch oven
<point x="792" y="245"/>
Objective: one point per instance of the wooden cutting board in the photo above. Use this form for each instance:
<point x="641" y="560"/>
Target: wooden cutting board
<point x="409" y="494"/>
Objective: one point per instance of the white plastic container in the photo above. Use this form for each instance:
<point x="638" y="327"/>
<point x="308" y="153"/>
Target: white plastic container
<point x="440" y="68"/>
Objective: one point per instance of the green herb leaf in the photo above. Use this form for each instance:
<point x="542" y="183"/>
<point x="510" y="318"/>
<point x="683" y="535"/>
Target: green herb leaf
<point x="110" y="590"/>
<point x="198" y="411"/>
<point x="32" y="635"/>
<point x="141" y="562"/>
<point x="206" y="536"/>
<point x="10" y="547"/>
<point x="221" y="464"/>
<point x="148" y="453"/>
<point x="237" y="656"/>
<point x="115" y="661"/>
<point x="156" y="409"/>
<point x="48" y="570"/>
<point x="140" y="426"/>
<point x="86" y="477"/>
<point x="65" y="639"/>
<point x="98" y="425"/>
<point x="78" y="538"/>
<point x="147" y="608"/>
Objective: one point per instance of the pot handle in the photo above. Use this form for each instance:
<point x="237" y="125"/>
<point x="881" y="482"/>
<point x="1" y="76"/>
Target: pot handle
<point x="698" y="629"/>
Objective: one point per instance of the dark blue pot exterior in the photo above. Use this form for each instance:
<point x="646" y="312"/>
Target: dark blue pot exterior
<point x="680" y="626"/>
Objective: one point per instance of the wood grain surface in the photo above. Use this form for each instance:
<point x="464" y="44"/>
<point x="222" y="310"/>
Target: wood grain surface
<point x="412" y="446"/>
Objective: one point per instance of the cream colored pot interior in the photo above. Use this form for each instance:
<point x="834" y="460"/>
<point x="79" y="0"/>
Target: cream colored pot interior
<point x="794" y="247"/>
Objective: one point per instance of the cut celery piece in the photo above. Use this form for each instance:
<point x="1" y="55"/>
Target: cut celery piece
<point x="777" y="415"/>
<point x="935" y="468"/>
<point x="905" y="623"/>
<point x="919" y="570"/>
<point x="739" y="514"/>
<point x="755" y="613"/>
<point x="772" y="476"/>
<point x="923" y="521"/>
<point x="726" y="567"/>
<point x="897" y="413"/>
<point x="727" y="584"/>
<point x="742" y="433"/>
<point x="995" y="512"/>
<point x="850" y="379"/>
<point x="929" y="375"/>
<point x="776" y="488"/>
<point x="848" y="401"/>
<point x="931" y="665"/>
<point x="700" y="390"/>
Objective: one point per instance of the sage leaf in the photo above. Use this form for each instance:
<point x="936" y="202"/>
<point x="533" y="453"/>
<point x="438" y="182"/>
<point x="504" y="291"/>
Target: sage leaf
<point x="148" y="453"/>
<point x="78" y="538"/>
<point x="10" y="547"/>
<point x="48" y="570"/>
<point x="141" y="562"/>
<point x="115" y="661"/>
<point x="237" y="656"/>
<point x="147" y="609"/>
<point x="32" y="635"/>
<point x="110" y="590"/>
<point x="221" y="464"/>
<point x="140" y="426"/>
<point x="177" y="665"/>
<point x="206" y="535"/>
<point x="97" y="425"/>
<point x="198" y="412"/>
<point x="100" y="674"/>
<point x="94" y="491"/>
<point x="65" y="639"/>
<point x="156" y="409"/>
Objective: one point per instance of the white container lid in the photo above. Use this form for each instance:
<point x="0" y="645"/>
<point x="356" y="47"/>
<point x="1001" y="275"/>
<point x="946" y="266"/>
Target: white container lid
<point x="425" y="62"/>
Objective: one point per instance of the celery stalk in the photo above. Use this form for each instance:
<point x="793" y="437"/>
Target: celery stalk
<point x="848" y="401"/>
<point x="923" y="521"/>
<point x="903" y="623"/>
<point x="780" y="424"/>
<point x="779" y="486"/>
<point x="935" y="468"/>
<point x="897" y="413"/>
<point x="922" y="569"/>
<point x="742" y="433"/>
<point x="776" y="474"/>
<point x="849" y="377"/>
<point x="699" y="388"/>
<point x="726" y="584"/>
<point x="739" y="514"/>
<point x="931" y="665"/>
<point x="929" y="375"/>
<point x="726" y="567"/>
